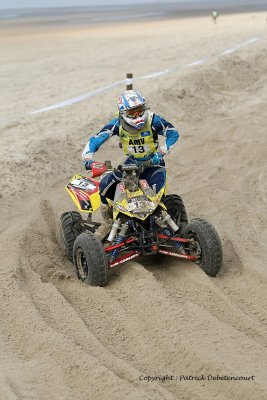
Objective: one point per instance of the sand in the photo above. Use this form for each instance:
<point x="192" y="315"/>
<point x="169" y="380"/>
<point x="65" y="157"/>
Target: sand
<point x="60" y="339"/>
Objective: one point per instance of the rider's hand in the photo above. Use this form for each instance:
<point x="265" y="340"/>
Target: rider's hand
<point x="88" y="164"/>
<point x="157" y="158"/>
<point x="87" y="160"/>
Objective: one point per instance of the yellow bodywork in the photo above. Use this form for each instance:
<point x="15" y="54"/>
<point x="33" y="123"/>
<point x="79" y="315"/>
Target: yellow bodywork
<point x="123" y="205"/>
<point x="92" y="198"/>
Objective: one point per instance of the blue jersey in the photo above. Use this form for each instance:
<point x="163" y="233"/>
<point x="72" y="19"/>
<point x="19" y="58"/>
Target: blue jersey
<point x="159" y="126"/>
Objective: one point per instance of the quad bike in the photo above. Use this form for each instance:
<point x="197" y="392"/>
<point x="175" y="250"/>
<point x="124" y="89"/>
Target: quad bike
<point x="144" y="223"/>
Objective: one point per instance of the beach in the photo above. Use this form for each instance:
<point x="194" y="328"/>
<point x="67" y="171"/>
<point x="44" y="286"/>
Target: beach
<point x="58" y="18"/>
<point x="161" y="328"/>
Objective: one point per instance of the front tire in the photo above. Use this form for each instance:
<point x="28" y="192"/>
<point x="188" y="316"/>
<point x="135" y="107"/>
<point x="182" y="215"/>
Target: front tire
<point x="90" y="260"/>
<point x="71" y="225"/>
<point x="206" y="245"/>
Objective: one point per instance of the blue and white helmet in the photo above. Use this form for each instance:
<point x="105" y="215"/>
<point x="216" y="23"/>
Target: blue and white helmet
<point x="132" y="108"/>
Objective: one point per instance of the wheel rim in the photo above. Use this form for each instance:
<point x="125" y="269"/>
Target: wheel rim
<point x="195" y="248"/>
<point x="81" y="264"/>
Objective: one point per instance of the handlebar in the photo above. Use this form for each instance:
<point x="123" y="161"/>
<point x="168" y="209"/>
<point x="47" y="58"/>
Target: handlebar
<point x="127" y="167"/>
<point x="98" y="168"/>
<point x="135" y="167"/>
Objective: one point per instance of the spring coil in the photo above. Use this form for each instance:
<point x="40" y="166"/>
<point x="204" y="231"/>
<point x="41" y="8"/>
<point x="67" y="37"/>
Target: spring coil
<point x="119" y="239"/>
<point x="167" y="232"/>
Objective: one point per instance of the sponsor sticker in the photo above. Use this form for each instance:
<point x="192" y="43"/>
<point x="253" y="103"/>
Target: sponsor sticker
<point x="121" y="187"/>
<point x="146" y="133"/>
<point x="83" y="184"/>
<point x="144" y="183"/>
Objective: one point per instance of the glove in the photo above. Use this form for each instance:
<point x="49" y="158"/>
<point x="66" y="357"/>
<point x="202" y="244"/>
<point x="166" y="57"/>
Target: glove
<point x="157" y="159"/>
<point x="88" y="164"/>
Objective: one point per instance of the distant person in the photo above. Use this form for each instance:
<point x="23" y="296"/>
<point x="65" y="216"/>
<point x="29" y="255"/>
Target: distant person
<point x="138" y="130"/>
<point x="215" y="15"/>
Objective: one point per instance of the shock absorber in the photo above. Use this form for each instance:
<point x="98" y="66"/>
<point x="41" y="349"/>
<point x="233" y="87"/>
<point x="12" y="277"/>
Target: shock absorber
<point x="167" y="218"/>
<point x="164" y="219"/>
<point x="168" y="233"/>
<point x="114" y="230"/>
<point x="119" y="239"/>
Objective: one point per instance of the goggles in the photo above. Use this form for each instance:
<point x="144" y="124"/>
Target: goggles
<point x="135" y="112"/>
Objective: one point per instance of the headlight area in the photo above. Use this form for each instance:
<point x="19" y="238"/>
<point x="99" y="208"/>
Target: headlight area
<point x="141" y="206"/>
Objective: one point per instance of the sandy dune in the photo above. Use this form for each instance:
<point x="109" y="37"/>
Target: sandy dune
<point x="63" y="340"/>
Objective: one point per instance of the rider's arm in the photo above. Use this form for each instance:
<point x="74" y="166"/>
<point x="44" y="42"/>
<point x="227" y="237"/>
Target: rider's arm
<point x="162" y="127"/>
<point x="96" y="141"/>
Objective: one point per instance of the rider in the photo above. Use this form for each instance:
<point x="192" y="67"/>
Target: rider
<point x="138" y="130"/>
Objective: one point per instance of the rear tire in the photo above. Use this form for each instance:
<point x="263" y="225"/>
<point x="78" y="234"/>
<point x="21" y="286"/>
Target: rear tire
<point x="176" y="209"/>
<point x="90" y="260"/>
<point x="206" y="244"/>
<point x="71" y="225"/>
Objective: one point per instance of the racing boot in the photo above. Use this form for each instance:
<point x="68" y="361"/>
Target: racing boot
<point x="106" y="223"/>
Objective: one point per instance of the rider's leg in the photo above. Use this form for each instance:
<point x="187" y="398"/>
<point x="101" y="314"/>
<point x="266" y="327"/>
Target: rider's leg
<point x="106" y="222"/>
<point x="155" y="177"/>
<point x="107" y="187"/>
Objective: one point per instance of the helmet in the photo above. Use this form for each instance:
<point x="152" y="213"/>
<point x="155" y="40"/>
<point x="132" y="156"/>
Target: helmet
<point x="132" y="109"/>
